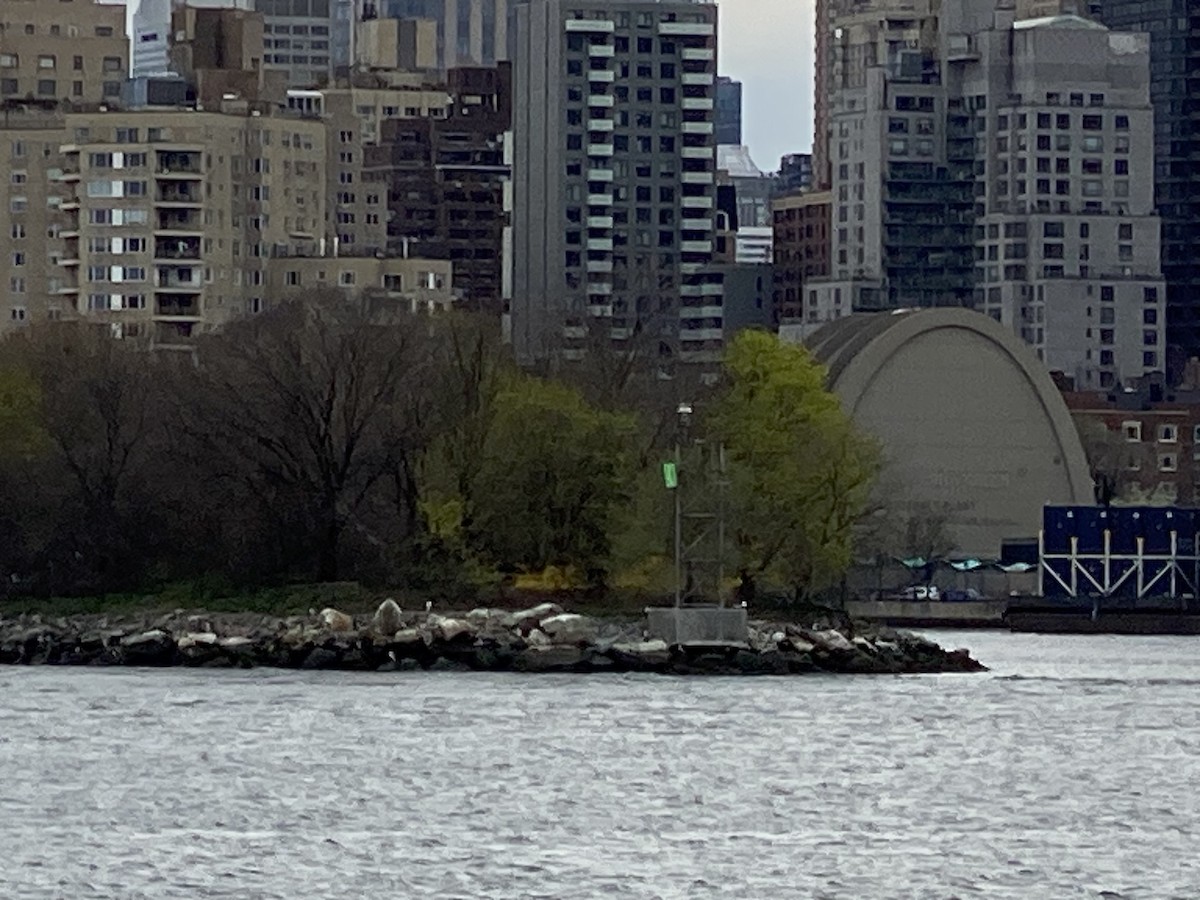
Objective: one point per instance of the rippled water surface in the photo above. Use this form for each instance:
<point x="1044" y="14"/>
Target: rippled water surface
<point x="1071" y="770"/>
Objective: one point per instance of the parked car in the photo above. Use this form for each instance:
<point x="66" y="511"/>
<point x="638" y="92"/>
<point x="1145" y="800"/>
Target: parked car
<point x="914" y="592"/>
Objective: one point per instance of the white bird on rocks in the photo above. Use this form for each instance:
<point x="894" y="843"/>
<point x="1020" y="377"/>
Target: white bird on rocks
<point x="428" y="606"/>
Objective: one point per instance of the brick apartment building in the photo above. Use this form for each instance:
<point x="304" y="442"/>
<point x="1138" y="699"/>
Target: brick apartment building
<point x="444" y="181"/>
<point x="1151" y="440"/>
<point x="801" y="244"/>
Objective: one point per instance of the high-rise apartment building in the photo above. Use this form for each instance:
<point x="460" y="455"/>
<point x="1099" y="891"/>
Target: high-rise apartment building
<point x="729" y="111"/>
<point x="981" y="160"/>
<point x="170" y="217"/>
<point x="303" y="40"/>
<point x="152" y="33"/>
<point x="443" y="180"/>
<point x="354" y="112"/>
<point x="1066" y="237"/>
<point x="801" y="250"/>
<point x="753" y="186"/>
<point x="306" y="39"/>
<point x="613" y="176"/>
<point x="72" y="50"/>
<point x="31" y="222"/>
<point x="822" y="88"/>
<point x="71" y="54"/>
<point x="469" y="32"/>
<point x="1173" y="28"/>
<point x="796" y="173"/>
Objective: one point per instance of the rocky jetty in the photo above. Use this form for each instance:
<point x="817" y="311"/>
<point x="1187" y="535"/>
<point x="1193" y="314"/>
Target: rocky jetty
<point x="541" y="639"/>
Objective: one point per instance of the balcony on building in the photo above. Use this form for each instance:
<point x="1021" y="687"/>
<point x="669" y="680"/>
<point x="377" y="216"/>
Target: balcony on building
<point x="687" y="29"/>
<point x="700" y="334"/>
<point x="599" y="288"/>
<point x="601" y="101"/>
<point x="697" y="127"/>
<point x="178" y="279"/>
<point x="186" y="164"/>
<point x="601" y="25"/>
<point x="705" y="152"/>
<point x="599" y="199"/>
<point x="696" y="78"/>
<point x="600" y="310"/>
<point x="599" y="265"/>
<point x="600" y="124"/>
<point x="600" y="174"/>
<point x="601" y="50"/>
<point x="697" y="54"/>
<point x="697" y="177"/>
<point x="704" y="224"/>
<point x="961" y="48"/>
<point x="182" y="193"/>
<point x="167" y="248"/>
<point x="697" y="103"/>
<point x="599" y="221"/>
<point x="177" y="306"/>
<point x="601" y="75"/>
<point x="599" y="244"/>
<point x="686" y="246"/>
<point x="70" y="256"/>
<point x="180" y="220"/>
<point x="600" y="149"/>
<point x="701" y="312"/>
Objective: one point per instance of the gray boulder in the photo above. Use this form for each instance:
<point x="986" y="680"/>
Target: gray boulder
<point x="569" y="628"/>
<point x="388" y="618"/>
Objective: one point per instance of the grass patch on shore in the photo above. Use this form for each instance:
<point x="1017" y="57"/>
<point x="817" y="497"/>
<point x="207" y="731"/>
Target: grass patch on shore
<point x="280" y="600"/>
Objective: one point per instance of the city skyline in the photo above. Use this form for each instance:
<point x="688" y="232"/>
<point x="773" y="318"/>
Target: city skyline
<point x="774" y="64"/>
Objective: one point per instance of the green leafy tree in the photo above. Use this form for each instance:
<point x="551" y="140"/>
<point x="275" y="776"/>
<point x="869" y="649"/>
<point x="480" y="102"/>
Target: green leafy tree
<point x="800" y="472"/>
<point x="555" y="473"/>
<point x="21" y="434"/>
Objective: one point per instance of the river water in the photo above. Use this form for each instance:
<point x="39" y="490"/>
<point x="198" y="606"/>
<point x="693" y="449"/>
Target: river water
<point x="1071" y="770"/>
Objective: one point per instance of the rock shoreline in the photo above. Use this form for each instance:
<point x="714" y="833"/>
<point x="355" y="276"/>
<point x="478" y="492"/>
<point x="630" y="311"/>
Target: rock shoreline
<point x="541" y="639"/>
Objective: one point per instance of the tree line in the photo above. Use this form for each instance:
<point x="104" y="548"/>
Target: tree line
<point x="329" y="439"/>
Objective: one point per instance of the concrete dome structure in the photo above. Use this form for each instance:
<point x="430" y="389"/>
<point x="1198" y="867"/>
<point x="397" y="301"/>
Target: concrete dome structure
<point x="969" y="419"/>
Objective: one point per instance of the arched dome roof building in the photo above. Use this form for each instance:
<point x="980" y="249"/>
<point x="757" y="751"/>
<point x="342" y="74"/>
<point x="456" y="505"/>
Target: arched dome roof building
<point x="969" y="420"/>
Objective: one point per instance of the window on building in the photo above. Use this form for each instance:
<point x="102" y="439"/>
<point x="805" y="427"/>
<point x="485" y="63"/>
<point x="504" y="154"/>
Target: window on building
<point x="1168" y="462"/>
<point x="1168" y="434"/>
<point x="1132" y="431"/>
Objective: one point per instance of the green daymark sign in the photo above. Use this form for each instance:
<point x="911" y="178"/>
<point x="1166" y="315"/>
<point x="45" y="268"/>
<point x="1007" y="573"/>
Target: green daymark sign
<point x="670" y="475"/>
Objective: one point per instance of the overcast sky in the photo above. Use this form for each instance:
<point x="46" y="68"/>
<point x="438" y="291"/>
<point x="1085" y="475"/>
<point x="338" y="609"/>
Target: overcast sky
<point x="767" y="45"/>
